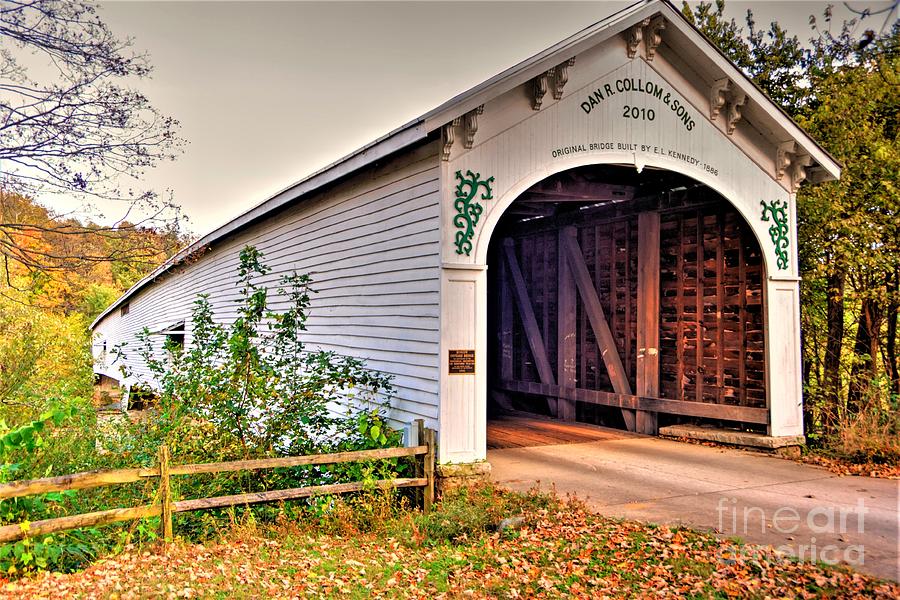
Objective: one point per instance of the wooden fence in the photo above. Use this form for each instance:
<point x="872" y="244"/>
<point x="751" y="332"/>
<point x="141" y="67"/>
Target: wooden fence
<point x="165" y="507"/>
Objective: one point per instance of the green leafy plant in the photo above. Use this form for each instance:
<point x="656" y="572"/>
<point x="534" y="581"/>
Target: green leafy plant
<point x="241" y="390"/>
<point x="28" y="436"/>
<point x="37" y="553"/>
<point x="256" y="381"/>
<point x="251" y="388"/>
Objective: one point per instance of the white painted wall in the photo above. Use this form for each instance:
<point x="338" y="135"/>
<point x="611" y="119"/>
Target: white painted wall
<point x="516" y="144"/>
<point x="371" y="245"/>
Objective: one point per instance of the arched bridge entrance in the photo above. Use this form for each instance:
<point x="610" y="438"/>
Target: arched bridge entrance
<point x="626" y="299"/>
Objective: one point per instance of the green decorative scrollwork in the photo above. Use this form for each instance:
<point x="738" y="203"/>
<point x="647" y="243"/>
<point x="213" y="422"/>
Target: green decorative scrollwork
<point x="468" y="208"/>
<point x="779" y="229"/>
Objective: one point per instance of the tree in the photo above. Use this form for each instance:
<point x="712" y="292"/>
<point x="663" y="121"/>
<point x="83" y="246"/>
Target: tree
<point x="42" y="356"/>
<point x="70" y="126"/>
<point x="849" y="229"/>
<point x="65" y="266"/>
<point x="771" y="57"/>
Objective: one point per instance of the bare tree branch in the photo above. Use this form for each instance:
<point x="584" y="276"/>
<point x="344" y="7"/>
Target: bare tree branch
<point x="77" y="134"/>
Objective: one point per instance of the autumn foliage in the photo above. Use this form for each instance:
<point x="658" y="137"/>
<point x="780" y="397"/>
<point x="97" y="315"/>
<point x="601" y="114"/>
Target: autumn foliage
<point x="561" y="550"/>
<point x="56" y="275"/>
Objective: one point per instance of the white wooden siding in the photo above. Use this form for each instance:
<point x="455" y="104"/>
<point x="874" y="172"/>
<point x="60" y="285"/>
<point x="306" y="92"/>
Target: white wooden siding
<point x="519" y="147"/>
<point x="371" y="245"/>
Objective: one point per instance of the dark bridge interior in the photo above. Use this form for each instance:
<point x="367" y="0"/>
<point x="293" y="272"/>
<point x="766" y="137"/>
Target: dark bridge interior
<point x="626" y="299"/>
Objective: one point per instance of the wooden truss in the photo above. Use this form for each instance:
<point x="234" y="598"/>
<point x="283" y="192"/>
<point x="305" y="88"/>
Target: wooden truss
<point x="639" y="406"/>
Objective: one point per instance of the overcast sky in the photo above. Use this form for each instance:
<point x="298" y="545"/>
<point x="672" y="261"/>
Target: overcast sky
<point x="269" y="92"/>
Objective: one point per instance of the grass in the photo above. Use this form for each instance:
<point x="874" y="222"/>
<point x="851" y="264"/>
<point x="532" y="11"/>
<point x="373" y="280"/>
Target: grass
<point x="371" y="547"/>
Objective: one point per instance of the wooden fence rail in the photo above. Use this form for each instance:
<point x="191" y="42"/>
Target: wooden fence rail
<point x="165" y="507"/>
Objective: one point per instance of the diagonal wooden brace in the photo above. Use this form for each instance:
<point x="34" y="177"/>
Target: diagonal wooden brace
<point x="597" y="318"/>
<point x="526" y="312"/>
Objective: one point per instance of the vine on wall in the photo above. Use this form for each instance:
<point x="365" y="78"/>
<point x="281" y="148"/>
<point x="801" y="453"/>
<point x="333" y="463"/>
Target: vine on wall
<point x="779" y="229"/>
<point x="468" y="208"/>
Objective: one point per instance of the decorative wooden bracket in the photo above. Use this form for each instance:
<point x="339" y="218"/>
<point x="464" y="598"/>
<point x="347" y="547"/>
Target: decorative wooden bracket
<point x="737" y="100"/>
<point x="649" y="31"/>
<point x="783" y="157"/>
<point x="561" y="78"/>
<point x="725" y="95"/>
<point x="635" y="36"/>
<point x="471" y="126"/>
<point x="788" y="160"/>
<point x="798" y="170"/>
<point x="448" y="137"/>
<point x="469" y="123"/>
<point x="653" y="35"/>
<point x="559" y="75"/>
<point x="718" y="96"/>
<point x="540" y="89"/>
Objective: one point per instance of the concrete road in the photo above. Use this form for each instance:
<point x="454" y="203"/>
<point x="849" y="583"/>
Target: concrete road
<point x="801" y="509"/>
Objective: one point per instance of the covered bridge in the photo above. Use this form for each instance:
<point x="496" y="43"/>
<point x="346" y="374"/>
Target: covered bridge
<point x="604" y="232"/>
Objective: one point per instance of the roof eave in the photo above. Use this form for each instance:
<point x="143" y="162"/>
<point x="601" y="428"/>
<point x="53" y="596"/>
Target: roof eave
<point x="821" y="156"/>
<point x="398" y="139"/>
<point x="606" y="29"/>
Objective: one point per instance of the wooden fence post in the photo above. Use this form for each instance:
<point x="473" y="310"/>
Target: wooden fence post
<point x="429" y="471"/>
<point x="418" y="439"/>
<point x="165" y="494"/>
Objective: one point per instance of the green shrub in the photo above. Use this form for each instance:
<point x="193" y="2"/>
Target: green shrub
<point x="32" y="450"/>
<point x="247" y="390"/>
<point x="252" y="389"/>
<point x="254" y="380"/>
<point x="42" y="356"/>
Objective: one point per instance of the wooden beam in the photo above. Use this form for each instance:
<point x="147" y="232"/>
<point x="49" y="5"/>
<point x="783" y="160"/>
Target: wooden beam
<point x="165" y="495"/>
<point x="742" y="322"/>
<point x="77" y="481"/>
<point x="11" y="533"/>
<point x="541" y="286"/>
<point x="430" y="440"/>
<point x="647" y="374"/>
<point x="679" y="307"/>
<point x="594" y="311"/>
<point x="526" y="312"/>
<point x="92" y="479"/>
<point x="579" y="190"/>
<point x="296" y="461"/>
<point x="529" y="209"/>
<point x="698" y="310"/>
<point x="534" y="198"/>
<point x="708" y="410"/>
<point x="506" y="322"/>
<point x="295" y="493"/>
<point x="630" y="416"/>
<point x="720" y="305"/>
<point x="566" y="349"/>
